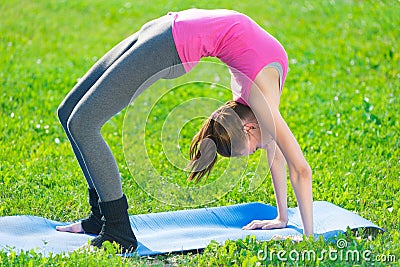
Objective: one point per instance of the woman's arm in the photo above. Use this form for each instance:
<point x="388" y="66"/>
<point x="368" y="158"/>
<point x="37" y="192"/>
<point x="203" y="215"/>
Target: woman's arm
<point x="264" y="101"/>
<point x="277" y="165"/>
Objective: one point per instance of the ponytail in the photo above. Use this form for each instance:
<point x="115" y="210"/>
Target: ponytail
<point x="203" y="152"/>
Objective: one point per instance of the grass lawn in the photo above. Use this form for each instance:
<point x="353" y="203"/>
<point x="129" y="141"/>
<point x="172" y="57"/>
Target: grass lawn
<point x="341" y="100"/>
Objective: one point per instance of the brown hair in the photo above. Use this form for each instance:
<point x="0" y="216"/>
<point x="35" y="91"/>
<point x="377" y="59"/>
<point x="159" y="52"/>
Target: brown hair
<point x="222" y="132"/>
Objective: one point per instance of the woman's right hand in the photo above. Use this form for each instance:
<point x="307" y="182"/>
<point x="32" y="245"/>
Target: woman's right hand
<point x="266" y="224"/>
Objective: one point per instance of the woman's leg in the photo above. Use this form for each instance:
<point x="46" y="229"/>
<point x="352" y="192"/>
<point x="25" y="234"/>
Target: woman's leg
<point x="152" y="57"/>
<point x="148" y="58"/>
<point x="92" y="224"/>
<point x="81" y="88"/>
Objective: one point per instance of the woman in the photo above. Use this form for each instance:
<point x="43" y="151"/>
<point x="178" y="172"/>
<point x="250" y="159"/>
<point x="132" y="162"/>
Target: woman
<point x="167" y="48"/>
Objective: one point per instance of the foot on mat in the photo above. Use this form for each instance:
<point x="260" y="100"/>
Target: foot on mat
<point x="90" y="225"/>
<point x="116" y="226"/>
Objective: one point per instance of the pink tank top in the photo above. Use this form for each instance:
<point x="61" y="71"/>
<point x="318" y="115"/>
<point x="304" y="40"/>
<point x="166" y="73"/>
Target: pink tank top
<point x="230" y="36"/>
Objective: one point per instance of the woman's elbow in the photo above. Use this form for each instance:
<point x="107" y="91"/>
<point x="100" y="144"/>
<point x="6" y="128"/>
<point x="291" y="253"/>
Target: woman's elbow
<point x="306" y="171"/>
<point x="302" y="172"/>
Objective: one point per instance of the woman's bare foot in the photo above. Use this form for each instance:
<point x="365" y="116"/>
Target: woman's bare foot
<point x="72" y="228"/>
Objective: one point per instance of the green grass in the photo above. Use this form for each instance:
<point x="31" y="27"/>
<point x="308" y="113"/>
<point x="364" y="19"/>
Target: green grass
<point x="341" y="100"/>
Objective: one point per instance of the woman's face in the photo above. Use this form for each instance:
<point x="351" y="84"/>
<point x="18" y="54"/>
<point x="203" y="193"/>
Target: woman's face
<point x="253" y="133"/>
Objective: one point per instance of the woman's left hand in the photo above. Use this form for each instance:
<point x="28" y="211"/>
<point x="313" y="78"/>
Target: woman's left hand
<point x="266" y="224"/>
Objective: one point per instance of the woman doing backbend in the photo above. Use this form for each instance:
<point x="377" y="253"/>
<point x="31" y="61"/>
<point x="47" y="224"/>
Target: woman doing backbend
<point x="166" y="48"/>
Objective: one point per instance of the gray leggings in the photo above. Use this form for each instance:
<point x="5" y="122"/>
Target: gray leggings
<point x="108" y="87"/>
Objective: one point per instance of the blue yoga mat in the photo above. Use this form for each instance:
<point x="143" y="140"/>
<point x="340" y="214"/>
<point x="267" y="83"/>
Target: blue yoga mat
<point x="178" y="231"/>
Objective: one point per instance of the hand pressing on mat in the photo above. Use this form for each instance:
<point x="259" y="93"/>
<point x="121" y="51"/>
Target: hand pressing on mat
<point x="266" y="224"/>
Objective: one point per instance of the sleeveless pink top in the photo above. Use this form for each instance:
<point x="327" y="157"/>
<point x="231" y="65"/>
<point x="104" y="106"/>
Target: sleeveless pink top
<point x="232" y="37"/>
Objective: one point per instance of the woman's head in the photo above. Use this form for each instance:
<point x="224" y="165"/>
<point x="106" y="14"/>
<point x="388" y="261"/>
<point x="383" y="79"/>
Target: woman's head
<point x="225" y="132"/>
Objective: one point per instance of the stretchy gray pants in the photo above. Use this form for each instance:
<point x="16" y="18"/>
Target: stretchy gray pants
<point x="109" y="86"/>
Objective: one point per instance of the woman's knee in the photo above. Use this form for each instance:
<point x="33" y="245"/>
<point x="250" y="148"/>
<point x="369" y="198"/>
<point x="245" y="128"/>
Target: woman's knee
<point x="63" y="114"/>
<point x="81" y="126"/>
<point x="76" y="126"/>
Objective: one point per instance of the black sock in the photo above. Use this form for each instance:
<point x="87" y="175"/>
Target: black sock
<point x="116" y="225"/>
<point x="93" y="223"/>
